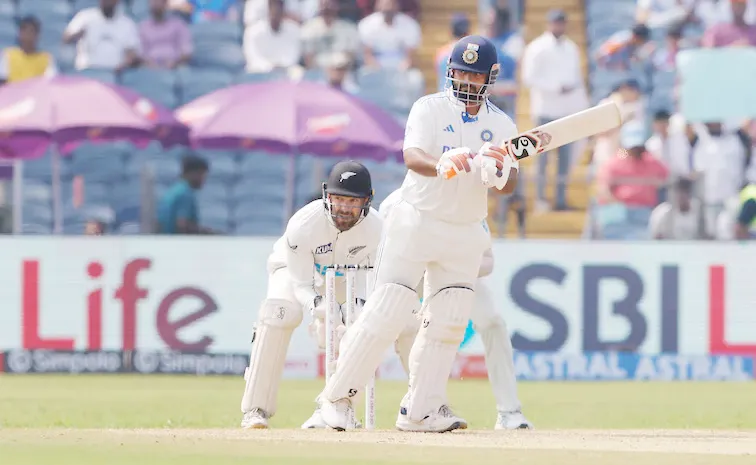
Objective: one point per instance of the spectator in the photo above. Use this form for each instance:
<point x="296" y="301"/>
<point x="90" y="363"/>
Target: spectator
<point x="390" y="38"/>
<point x="460" y="27"/>
<point x="272" y="43"/>
<point x="509" y="45"/>
<point x="326" y="35"/>
<point x="298" y="10"/>
<point x="628" y="185"/>
<point x="207" y="10"/>
<point x="95" y="227"/>
<point x="551" y="70"/>
<point x="664" y="58"/>
<point x="166" y="40"/>
<point x="745" y="228"/>
<point x="627" y="97"/>
<point x="178" y="212"/>
<point x="337" y="73"/>
<point x="712" y="12"/>
<point x="736" y="33"/>
<point x="623" y="49"/>
<point x="722" y="158"/>
<point x="26" y="61"/>
<point x="681" y="218"/>
<point x="106" y="38"/>
<point x="508" y="41"/>
<point x="408" y="7"/>
<point x="669" y="146"/>
<point x="663" y="14"/>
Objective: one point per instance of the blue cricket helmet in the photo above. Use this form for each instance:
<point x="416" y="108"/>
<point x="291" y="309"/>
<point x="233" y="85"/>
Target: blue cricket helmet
<point x="473" y="54"/>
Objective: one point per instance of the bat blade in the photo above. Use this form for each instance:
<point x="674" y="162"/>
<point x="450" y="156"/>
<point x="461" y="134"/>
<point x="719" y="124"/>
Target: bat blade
<point x="563" y="131"/>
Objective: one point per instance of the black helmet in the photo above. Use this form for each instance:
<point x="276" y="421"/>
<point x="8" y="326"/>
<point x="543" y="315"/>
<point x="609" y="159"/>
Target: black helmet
<point x="349" y="179"/>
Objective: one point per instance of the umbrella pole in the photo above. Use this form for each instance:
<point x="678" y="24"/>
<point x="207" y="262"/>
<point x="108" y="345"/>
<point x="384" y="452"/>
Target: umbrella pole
<point x="56" y="191"/>
<point x="18" y="192"/>
<point x="291" y="175"/>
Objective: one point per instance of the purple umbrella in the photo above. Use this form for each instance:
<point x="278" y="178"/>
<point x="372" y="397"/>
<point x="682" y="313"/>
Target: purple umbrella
<point x="64" y="111"/>
<point x="68" y="110"/>
<point x="292" y="117"/>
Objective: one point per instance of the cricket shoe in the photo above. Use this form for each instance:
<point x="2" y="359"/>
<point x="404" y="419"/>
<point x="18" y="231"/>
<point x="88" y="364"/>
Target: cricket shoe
<point x="255" y="419"/>
<point x="315" y="421"/>
<point x="512" y="420"/>
<point x="441" y="422"/>
<point x="337" y="415"/>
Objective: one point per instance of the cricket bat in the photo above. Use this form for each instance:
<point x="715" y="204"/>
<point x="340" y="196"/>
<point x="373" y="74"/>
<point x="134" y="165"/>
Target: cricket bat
<point x="563" y="131"/>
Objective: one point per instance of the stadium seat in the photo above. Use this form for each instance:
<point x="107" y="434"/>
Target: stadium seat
<point x="36" y="228"/>
<point x="155" y="84"/>
<point x="101" y="75"/>
<point x="102" y="162"/>
<point x="128" y="229"/>
<point x="213" y="191"/>
<point x="79" y="5"/>
<point x="252" y="78"/>
<point x="7" y="10"/>
<point x="37" y="192"/>
<point x="217" y="31"/>
<point x="218" y="55"/>
<point x="7" y="32"/>
<point x="51" y="34"/>
<point x="224" y="166"/>
<point x="272" y="167"/>
<point x="266" y="212"/>
<point x="46" y="10"/>
<point x="215" y="215"/>
<point x="198" y="82"/>
<point x="35" y="213"/>
<point x="390" y="90"/>
<point x="259" y="228"/>
<point x="96" y="192"/>
<point x="139" y="9"/>
<point x="65" y="56"/>
<point x="126" y="193"/>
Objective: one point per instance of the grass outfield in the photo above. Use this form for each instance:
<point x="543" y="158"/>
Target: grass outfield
<point x="188" y="420"/>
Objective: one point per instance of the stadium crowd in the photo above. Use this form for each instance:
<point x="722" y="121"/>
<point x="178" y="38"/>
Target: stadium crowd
<point x="674" y="179"/>
<point x="655" y="177"/>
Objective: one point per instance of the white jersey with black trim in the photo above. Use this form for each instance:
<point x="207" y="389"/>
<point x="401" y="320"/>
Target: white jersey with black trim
<point x="438" y="123"/>
<point x="311" y="243"/>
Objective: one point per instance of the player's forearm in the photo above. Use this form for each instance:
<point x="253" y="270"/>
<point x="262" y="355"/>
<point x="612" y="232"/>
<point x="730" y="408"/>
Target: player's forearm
<point x="420" y="162"/>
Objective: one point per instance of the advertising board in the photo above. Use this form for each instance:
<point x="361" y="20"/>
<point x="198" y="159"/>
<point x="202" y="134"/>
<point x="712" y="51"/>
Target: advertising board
<point x="201" y="295"/>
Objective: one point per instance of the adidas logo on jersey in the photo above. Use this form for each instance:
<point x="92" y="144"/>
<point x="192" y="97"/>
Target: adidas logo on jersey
<point x="449" y="128"/>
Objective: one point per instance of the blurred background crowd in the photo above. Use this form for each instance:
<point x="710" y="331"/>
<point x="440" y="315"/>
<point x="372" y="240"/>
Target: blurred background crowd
<point x="662" y="175"/>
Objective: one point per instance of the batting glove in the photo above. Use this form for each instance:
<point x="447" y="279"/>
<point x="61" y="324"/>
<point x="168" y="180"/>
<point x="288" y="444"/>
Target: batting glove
<point x="495" y="164"/>
<point x="454" y="162"/>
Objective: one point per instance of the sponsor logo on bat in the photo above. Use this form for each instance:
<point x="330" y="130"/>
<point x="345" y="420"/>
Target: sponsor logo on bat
<point x="529" y="144"/>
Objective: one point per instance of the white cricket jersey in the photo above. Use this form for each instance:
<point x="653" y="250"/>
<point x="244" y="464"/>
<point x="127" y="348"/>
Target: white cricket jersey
<point x="395" y="197"/>
<point x="438" y="123"/>
<point x="311" y="242"/>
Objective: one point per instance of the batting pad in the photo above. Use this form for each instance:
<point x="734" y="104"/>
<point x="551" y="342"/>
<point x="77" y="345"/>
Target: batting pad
<point x="441" y="332"/>
<point x="385" y="314"/>
<point x="403" y="343"/>
<point x="277" y="321"/>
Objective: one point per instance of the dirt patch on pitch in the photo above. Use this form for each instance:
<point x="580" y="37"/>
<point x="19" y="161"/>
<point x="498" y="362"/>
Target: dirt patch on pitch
<point x="659" y="441"/>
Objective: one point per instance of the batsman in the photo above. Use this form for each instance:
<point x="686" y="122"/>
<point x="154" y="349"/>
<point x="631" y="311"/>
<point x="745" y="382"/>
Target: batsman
<point x="434" y="232"/>
<point x="342" y="228"/>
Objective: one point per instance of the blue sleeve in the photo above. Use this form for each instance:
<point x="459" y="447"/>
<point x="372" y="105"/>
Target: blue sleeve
<point x="185" y="208"/>
<point x="747" y="212"/>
